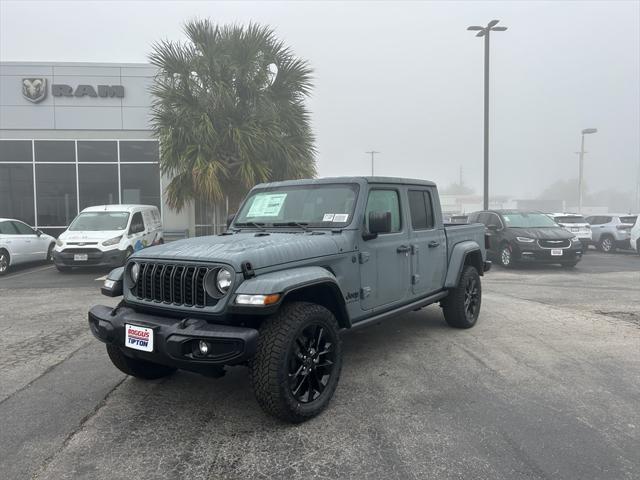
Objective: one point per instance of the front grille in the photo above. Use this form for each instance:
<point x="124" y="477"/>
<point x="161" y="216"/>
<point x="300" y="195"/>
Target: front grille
<point x="554" y="243"/>
<point x="82" y="244"/>
<point x="81" y="250"/>
<point x="170" y="283"/>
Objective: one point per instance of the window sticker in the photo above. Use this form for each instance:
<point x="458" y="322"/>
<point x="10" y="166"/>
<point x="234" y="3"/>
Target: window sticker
<point x="328" y="217"/>
<point x="340" y="217"/>
<point x="267" y="205"/>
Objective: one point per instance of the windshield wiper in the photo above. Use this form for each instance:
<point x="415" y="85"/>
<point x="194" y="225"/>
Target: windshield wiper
<point x="302" y="225"/>
<point x="258" y="225"/>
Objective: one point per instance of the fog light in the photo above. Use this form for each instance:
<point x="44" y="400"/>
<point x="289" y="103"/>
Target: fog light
<point x="203" y="347"/>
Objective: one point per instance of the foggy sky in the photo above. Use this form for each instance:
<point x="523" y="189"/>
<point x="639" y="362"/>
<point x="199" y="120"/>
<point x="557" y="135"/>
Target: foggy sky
<point x="406" y="79"/>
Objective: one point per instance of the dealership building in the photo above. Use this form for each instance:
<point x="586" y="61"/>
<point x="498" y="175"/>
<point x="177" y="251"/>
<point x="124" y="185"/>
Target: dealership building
<point x="74" y="135"/>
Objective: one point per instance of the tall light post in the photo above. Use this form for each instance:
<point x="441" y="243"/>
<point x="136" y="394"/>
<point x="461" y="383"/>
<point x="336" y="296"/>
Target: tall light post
<point x="485" y="32"/>
<point x="373" y="153"/>
<point x="586" y="131"/>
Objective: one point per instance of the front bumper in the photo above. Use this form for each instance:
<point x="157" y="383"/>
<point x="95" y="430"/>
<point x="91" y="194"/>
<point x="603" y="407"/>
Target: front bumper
<point x="543" y="255"/>
<point x="95" y="258"/>
<point x="175" y="340"/>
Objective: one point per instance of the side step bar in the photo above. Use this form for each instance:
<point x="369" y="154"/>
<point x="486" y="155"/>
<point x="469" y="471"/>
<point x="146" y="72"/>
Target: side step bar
<point x="423" y="302"/>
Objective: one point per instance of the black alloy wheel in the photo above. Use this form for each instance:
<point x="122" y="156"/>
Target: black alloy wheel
<point x="471" y="297"/>
<point x="311" y="363"/>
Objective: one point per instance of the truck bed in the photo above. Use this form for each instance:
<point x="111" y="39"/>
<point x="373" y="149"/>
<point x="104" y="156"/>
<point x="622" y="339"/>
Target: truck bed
<point x="462" y="232"/>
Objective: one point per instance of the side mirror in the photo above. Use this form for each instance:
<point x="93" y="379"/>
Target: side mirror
<point x="492" y="228"/>
<point x="379" y="222"/>
<point x="230" y="219"/>
<point x="38" y="232"/>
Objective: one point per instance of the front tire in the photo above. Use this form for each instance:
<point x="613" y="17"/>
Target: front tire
<point x="298" y="360"/>
<point x="607" y="245"/>
<point x="505" y="256"/>
<point x="462" y="306"/>
<point x="135" y="367"/>
<point x="50" y="253"/>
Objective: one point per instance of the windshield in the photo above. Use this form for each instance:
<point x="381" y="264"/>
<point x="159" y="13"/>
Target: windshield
<point x="324" y="205"/>
<point x="528" y="220"/>
<point x="571" y="219"/>
<point x="100" y="221"/>
<point x="630" y="220"/>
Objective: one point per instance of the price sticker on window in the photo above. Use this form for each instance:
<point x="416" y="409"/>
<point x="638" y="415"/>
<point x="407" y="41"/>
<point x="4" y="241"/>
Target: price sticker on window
<point x="267" y="205"/>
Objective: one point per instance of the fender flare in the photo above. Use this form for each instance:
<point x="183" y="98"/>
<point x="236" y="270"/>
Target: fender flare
<point x="292" y="280"/>
<point x="457" y="260"/>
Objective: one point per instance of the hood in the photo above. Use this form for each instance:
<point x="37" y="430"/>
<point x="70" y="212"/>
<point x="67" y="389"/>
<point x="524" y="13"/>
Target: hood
<point x="90" y="236"/>
<point x="260" y="250"/>
<point x="547" y="233"/>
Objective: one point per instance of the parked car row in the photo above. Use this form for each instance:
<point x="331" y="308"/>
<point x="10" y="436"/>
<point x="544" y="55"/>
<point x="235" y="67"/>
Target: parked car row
<point x="515" y="236"/>
<point x="104" y="235"/>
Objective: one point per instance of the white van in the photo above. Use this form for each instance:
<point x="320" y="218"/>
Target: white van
<point x="106" y="235"/>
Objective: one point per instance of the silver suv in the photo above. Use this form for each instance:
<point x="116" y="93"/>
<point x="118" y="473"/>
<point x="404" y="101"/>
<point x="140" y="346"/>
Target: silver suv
<point x="611" y="231"/>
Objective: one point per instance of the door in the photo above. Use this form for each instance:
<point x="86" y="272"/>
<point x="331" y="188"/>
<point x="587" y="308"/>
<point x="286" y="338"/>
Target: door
<point x="28" y="241"/>
<point x="136" y="232"/>
<point x="384" y="260"/>
<point x="428" y="245"/>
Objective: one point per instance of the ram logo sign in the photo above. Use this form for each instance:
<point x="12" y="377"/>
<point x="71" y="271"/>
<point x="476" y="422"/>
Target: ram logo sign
<point x="34" y="89"/>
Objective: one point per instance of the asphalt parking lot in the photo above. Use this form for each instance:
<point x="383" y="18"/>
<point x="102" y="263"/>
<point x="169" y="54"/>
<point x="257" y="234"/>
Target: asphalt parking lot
<point x="547" y="385"/>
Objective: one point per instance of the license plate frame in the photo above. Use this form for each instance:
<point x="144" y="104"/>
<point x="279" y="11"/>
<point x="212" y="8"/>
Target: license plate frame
<point x="138" y="337"/>
<point x="556" y="252"/>
<point x="80" y="257"/>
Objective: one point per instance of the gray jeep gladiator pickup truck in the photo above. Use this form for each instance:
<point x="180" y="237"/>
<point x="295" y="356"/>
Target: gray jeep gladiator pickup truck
<point x="300" y="261"/>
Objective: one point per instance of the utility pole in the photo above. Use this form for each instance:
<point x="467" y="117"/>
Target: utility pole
<point x="485" y="32"/>
<point x="373" y="153"/>
<point x="586" y="131"/>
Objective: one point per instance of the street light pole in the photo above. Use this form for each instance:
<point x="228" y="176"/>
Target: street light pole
<point x="586" y="131"/>
<point x="372" y="152"/>
<point x="485" y="32"/>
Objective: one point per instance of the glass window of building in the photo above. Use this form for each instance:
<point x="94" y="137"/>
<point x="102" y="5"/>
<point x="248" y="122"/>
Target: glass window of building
<point x="139" y="151"/>
<point x="15" y="151"/>
<point x="55" y="151"/>
<point x="98" y="185"/>
<point x="56" y="190"/>
<point x="140" y="184"/>
<point x="16" y="192"/>
<point x="97" y="151"/>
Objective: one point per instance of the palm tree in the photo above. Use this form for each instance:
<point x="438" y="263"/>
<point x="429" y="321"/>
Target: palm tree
<point x="229" y="112"/>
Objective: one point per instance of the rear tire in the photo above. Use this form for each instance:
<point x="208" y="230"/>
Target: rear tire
<point x="135" y="367"/>
<point x="5" y="262"/>
<point x="606" y="244"/>
<point x="298" y="360"/>
<point x="462" y="306"/>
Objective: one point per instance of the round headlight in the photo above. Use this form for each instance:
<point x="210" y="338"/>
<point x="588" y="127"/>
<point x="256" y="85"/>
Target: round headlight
<point x="223" y="280"/>
<point x="135" y="271"/>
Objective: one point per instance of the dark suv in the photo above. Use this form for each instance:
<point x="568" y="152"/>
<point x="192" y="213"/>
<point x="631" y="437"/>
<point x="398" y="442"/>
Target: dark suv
<point x="519" y="236"/>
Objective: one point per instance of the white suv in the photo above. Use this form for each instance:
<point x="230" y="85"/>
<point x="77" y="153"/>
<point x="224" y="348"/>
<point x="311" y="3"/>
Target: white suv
<point x="576" y="224"/>
<point x="635" y="236"/>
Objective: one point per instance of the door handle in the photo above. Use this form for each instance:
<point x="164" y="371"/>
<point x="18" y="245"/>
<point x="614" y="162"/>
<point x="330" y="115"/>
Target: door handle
<point x="403" y="249"/>
<point x="434" y="244"/>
